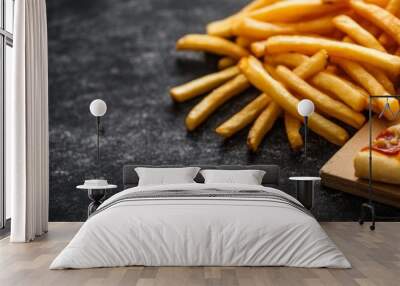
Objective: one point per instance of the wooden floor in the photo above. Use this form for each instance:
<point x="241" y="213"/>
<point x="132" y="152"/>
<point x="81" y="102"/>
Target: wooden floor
<point x="375" y="257"/>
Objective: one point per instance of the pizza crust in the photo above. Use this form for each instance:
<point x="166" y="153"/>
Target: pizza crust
<point x="384" y="168"/>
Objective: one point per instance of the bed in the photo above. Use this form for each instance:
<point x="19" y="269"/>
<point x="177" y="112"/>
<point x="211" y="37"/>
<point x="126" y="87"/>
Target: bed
<point x="198" y="224"/>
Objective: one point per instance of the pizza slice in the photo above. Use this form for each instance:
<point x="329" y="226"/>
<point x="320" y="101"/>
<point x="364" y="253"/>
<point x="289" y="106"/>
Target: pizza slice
<point x="385" y="157"/>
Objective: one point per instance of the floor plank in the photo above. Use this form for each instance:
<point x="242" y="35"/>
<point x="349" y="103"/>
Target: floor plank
<point x="375" y="257"/>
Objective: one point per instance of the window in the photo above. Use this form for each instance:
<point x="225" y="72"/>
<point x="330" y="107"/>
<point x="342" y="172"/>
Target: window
<point x="6" y="65"/>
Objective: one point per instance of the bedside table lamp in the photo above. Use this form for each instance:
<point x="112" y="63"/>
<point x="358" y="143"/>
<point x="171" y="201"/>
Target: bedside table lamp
<point x="305" y="108"/>
<point x="98" y="108"/>
<point x="97" y="188"/>
<point x="305" y="186"/>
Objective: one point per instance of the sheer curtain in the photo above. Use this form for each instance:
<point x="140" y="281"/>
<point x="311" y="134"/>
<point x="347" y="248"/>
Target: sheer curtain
<point x="27" y="120"/>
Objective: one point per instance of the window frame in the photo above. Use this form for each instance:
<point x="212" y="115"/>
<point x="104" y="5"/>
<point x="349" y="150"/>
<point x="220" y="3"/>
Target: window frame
<point x="6" y="39"/>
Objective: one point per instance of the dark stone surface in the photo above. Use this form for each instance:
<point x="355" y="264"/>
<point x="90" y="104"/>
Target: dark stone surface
<point x="123" y="52"/>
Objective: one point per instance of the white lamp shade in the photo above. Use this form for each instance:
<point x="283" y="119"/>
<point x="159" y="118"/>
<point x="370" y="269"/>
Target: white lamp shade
<point x="305" y="107"/>
<point x="98" y="107"/>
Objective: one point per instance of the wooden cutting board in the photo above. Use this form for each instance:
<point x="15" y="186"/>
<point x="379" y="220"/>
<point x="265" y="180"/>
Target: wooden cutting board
<point x="338" y="172"/>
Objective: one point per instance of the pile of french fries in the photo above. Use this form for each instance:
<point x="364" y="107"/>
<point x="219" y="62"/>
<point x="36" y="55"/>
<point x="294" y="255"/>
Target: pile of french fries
<point x="334" y="52"/>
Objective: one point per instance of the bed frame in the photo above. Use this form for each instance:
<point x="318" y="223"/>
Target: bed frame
<point x="271" y="177"/>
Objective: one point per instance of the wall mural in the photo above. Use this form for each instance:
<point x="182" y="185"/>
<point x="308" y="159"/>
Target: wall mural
<point x="124" y="52"/>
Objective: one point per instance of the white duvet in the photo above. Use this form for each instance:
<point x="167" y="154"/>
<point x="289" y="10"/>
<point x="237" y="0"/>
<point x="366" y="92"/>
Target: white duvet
<point x="200" y="231"/>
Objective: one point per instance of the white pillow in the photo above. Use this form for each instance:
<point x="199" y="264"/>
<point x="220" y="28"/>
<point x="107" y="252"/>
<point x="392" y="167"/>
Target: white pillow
<point x="164" y="176"/>
<point x="247" y="177"/>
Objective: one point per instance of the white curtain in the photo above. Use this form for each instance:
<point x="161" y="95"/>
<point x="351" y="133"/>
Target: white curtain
<point x="27" y="120"/>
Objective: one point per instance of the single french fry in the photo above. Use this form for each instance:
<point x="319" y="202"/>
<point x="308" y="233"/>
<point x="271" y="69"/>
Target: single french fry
<point x="272" y="72"/>
<point x="244" y="42"/>
<point x="393" y="6"/>
<point x="211" y="44"/>
<point x="381" y="3"/>
<point x="320" y="26"/>
<point x="321" y="100"/>
<point x="244" y="117"/>
<point x="215" y="99"/>
<point x="262" y="125"/>
<point x="226" y="62"/>
<point x="359" y="88"/>
<point x="258" y="48"/>
<point x="257" y="75"/>
<point x="387" y="41"/>
<point x="311" y="45"/>
<point x="203" y="84"/>
<point x="222" y="28"/>
<point x="382" y="78"/>
<point x="357" y="32"/>
<point x="340" y="89"/>
<point x="333" y="69"/>
<point x="292" y="60"/>
<point x="312" y="65"/>
<point x="248" y="27"/>
<point x="360" y="75"/>
<point x="292" y="127"/>
<point x="378" y="16"/>
<point x="289" y="11"/>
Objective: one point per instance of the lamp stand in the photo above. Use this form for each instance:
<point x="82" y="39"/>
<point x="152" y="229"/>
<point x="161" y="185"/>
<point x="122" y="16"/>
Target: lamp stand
<point x="98" y="145"/>
<point x="305" y="136"/>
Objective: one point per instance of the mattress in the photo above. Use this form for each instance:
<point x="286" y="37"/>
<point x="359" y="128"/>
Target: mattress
<point x="201" y="225"/>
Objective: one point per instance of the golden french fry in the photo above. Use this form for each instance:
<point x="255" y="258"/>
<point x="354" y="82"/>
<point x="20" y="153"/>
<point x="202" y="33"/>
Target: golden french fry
<point x="258" y="48"/>
<point x="226" y="62"/>
<point x="393" y="7"/>
<point x="357" y="32"/>
<point x="256" y="74"/>
<point x="222" y="28"/>
<point x="215" y="99"/>
<point x="311" y="45"/>
<point x="288" y="11"/>
<point x="357" y="87"/>
<point x="244" y="117"/>
<point x="203" y="84"/>
<point x="360" y="75"/>
<point x="292" y="60"/>
<point x="312" y="65"/>
<point x="272" y="72"/>
<point x="387" y="41"/>
<point x="378" y="16"/>
<point x="382" y="78"/>
<point x="248" y="27"/>
<point x="292" y="127"/>
<point x="340" y="89"/>
<point x="211" y="44"/>
<point x="321" y="100"/>
<point x="262" y="125"/>
<point x="381" y="3"/>
<point x="333" y="69"/>
<point x="244" y="42"/>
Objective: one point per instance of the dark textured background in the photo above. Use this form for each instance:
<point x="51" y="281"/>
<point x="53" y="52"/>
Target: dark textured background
<point x="122" y="51"/>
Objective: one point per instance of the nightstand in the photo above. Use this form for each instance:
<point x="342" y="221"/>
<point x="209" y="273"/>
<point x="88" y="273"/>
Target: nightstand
<point x="97" y="190"/>
<point x="305" y="188"/>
